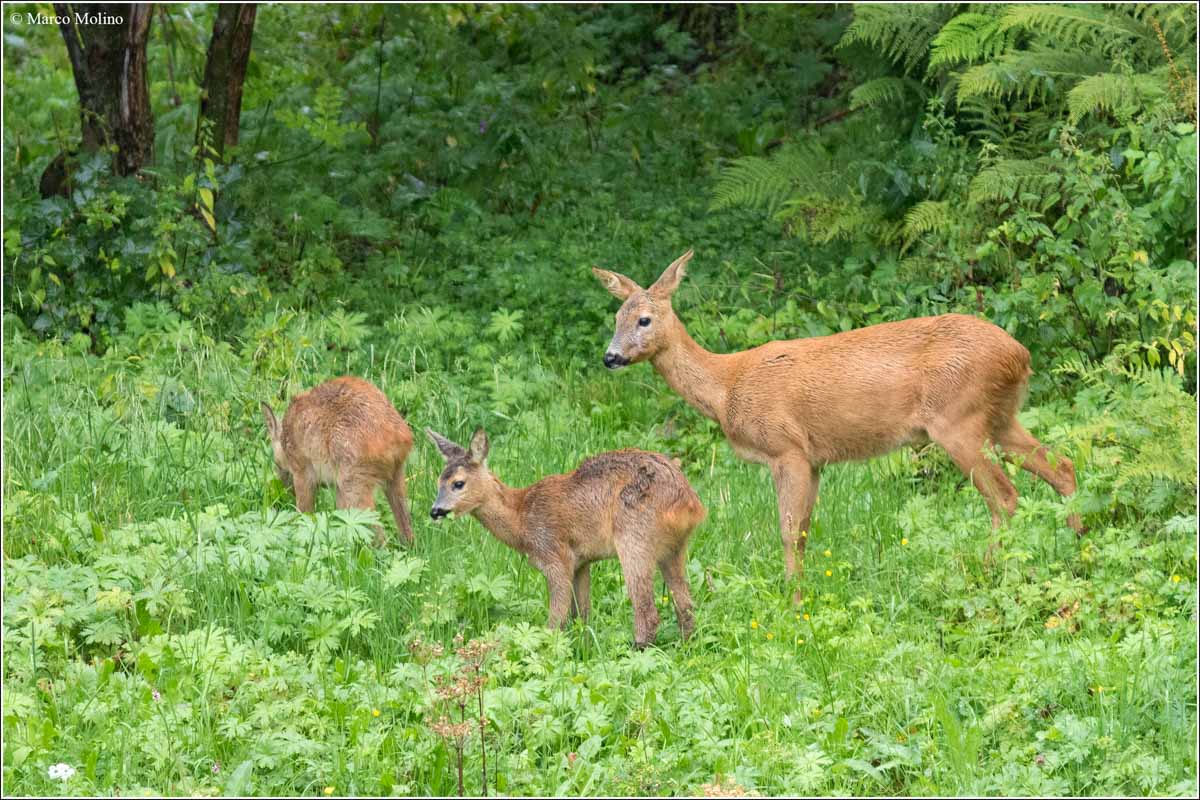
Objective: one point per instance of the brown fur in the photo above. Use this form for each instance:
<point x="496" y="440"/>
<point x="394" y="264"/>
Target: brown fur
<point x="346" y="434"/>
<point x="801" y="404"/>
<point x="632" y="505"/>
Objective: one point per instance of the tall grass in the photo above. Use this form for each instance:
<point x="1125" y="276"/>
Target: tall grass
<point x="149" y="549"/>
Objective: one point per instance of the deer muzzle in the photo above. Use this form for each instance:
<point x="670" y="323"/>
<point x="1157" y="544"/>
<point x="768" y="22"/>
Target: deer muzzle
<point x="615" y="360"/>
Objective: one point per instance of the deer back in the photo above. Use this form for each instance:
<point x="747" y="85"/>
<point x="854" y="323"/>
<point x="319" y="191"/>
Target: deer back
<point x="345" y="424"/>
<point x="625" y="493"/>
<point x="863" y="392"/>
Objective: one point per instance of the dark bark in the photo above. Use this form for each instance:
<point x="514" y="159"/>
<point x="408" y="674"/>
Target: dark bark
<point x="225" y="72"/>
<point x="106" y="43"/>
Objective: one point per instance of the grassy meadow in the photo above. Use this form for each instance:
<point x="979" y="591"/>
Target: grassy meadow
<point x="173" y="626"/>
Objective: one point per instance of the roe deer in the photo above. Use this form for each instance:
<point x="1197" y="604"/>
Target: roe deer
<point x="344" y="433"/>
<point x="801" y="404"/>
<point x="631" y="504"/>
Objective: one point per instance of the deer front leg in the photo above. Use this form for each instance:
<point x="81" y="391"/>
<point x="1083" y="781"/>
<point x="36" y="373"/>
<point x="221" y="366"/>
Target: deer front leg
<point x="558" y="584"/>
<point x="581" y="602"/>
<point x="796" y="483"/>
<point x="306" y="491"/>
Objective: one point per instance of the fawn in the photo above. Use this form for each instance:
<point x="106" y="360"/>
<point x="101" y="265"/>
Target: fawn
<point x="633" y="505"/>
<point x="801" y="404"/>
<point x="346" y="434"/>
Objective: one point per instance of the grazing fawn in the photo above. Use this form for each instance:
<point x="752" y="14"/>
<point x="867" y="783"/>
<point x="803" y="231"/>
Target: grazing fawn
<point x="631" y="504"/>
<point x="346" y="434"/>
<point x="801" y="404"/>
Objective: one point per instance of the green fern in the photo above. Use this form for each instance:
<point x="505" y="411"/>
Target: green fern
<point x="970" y="38"/>
<point x="928" y="216"/>
<point x="1030" y="74"/>
<point x="1007" y="178"/>
<point x="757" y="182"/>
<point x="883" y="91"/>
<point x="1092" y="26"/>
<point x="903" y="33"/>
<point x="1121" y="95"/>
<point x="1177" y="21"/>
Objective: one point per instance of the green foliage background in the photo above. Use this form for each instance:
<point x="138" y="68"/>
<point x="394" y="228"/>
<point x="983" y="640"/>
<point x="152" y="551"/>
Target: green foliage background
<point x="416" y="198"/>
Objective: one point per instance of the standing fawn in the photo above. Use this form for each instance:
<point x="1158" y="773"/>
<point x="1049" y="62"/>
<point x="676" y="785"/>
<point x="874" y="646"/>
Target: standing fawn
<point x="801" y="404"/>
<point x="346" y="434"/>
<point x="631" y="504"/>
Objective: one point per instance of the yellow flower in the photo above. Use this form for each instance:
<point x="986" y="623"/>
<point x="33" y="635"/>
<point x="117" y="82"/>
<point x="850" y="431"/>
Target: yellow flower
<point x="770" y="636"/>
<point x="328" y="790"/>
<point x="807" y="617"/>
<point x="799" y="640"/>
<point x="904" y="541"/>
<point x="374" y="712"/>
<point x="753" y="624"/>
<point x="1175" y="579"/>
<point x="828" y="573"/>
<point x="666" y="599"/>
<point x="828" y="553"/>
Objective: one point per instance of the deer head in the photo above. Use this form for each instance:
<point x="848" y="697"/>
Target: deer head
<point x="645" y="319"/>
<point x="465" y="482"/>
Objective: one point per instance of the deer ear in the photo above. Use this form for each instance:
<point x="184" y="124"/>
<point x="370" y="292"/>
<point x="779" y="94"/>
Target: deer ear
<point x="669" y="281"/>
<point x="447" y="448"/>
<point x="479" y="446"/>
<point x="271" y="420"/>
<point x="620" y="286"/>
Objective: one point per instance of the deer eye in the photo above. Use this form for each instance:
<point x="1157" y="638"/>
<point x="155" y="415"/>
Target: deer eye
<point x="459" y="484"/>
<point x="644" y="322"/>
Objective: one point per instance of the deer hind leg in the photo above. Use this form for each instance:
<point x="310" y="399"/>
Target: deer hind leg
<point x="397" y="497"/>
<point x="965" y="443"/>
<point x="796" y="484"/>
<point x="674" y="570"/>
<point x="581" y="602"/>
<point x="637" y="565"/>
<point x="357" y="491"/>
<point x="1023" y="449"/>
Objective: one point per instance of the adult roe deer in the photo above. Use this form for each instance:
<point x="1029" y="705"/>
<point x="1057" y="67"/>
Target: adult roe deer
<point x="631" y="504"/>
<point x="344" y="433"/>
<point x="801" y="404"/>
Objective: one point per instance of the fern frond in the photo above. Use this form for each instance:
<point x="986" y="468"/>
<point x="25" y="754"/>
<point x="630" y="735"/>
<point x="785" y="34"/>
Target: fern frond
<point x="1115" y="94"/>
<point x="880" y="91"/>
<point x="1028" y="73"/>
<point x="1003" y="179"/>
<point x="1108" y="29"/>
<point x="969" y="38"/>
<point x="1177" y="21"/>
<point x="903" y="33"/>
<point x="756" y="182"/>
<point x="823" y="219"/>
<point x="928" y="216"/>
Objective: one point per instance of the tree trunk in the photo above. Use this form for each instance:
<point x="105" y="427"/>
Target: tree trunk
<point x="106" y="43"/>
<point x="225" y="72"/>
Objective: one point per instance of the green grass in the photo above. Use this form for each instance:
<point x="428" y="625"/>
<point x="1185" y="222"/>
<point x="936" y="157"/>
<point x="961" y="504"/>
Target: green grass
<point x="148" y="547"/>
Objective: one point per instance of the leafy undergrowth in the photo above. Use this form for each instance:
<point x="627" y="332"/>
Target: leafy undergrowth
<point x="172" y="626"/>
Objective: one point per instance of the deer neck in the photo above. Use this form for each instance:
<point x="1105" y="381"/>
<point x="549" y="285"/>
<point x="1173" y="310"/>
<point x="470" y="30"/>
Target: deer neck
<point x="500" y="513"/>
<point x="698" y="376"/>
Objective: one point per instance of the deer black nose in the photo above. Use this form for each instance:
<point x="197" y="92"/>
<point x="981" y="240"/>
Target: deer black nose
<point x="613" y="360"/>
<point x="438" y="513"/>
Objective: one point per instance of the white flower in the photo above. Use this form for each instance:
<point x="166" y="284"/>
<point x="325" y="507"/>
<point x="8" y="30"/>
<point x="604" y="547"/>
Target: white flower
<point x="61" y="772"/>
